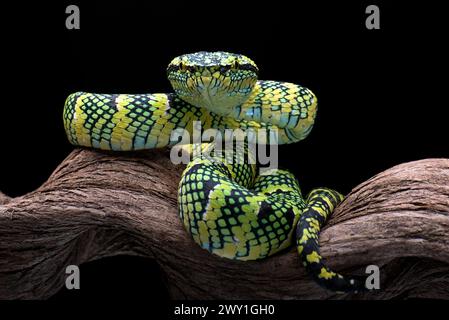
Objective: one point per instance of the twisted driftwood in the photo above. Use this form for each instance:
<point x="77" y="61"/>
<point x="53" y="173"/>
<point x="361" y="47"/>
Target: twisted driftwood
<point x="98" y="204"/>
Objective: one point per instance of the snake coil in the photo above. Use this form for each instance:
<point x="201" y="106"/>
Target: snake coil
<point x="227" y="208"/>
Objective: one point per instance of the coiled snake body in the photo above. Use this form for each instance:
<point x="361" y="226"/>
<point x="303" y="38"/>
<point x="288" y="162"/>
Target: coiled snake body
<point x="226" y="207"/>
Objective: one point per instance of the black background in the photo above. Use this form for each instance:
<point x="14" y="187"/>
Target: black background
<point x="382" y="93"/>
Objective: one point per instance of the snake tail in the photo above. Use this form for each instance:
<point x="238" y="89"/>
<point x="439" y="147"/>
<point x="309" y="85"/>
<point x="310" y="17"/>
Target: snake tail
<point x="319" y="205"/>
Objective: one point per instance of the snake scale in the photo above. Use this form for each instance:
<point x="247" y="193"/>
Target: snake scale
<point x="227" y="208"/>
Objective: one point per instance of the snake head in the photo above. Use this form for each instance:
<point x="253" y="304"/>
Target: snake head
<point x="217" y="81"/>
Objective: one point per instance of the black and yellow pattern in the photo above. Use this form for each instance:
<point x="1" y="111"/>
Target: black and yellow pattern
<point x="226" y="207"/>
<point x="319" y="205"/>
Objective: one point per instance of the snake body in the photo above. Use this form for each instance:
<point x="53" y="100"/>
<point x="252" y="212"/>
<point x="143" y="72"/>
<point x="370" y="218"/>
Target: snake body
<point x="228" y="208"/>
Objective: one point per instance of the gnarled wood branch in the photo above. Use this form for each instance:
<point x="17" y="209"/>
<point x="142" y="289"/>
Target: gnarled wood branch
<point x="99" y="204"/>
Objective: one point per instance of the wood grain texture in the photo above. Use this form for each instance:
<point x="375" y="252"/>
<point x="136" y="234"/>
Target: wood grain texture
<point x="102" y="204"/>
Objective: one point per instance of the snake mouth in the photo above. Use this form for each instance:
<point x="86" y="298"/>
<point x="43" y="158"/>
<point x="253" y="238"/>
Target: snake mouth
<point x="191" y="68"/>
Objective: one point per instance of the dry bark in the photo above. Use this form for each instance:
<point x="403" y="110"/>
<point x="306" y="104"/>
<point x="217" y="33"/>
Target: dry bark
<point x="99" y="204"/>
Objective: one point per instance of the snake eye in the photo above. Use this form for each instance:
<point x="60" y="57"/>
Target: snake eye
<point x="182" y="66"/>
<point x="235" y="64"/>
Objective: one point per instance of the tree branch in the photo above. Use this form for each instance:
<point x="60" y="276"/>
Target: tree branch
<point x="99" y="204"/>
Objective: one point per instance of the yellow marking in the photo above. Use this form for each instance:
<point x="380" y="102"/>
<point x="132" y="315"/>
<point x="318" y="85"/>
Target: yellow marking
<point x="246" y="227"/>
<point x="238" y="233"/>
<point x="320" y="211"/>
<point x="254" y="253"/>
<point x="82" y="133"/>
<point x="229" y="250"/>
<point x="104" y="144"/>
<point x="283" y="187"/>
<point x="329" y="203"/>
<point x="190" y="83"/>
<point x="287" y="107"/>
<point x="305" y="236"/>
<point x="324" y="274"/>
<point x="292" y="90"/>
<point x="203" y="231"/>
<point x="212" y="225"/>
<point x="164" y="138"/>
<point x="212" y="214"/>
<point x="313" y="257"/>
<point x="226" y="82"/>
<point x="314" y="224"/>
<point x="118" y="141"/>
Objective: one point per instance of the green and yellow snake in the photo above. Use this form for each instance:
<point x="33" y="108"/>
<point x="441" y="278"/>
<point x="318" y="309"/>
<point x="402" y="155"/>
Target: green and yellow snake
<point x="226" y="207"/>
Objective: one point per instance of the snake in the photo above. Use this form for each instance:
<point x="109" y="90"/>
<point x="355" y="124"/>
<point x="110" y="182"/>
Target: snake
<point x="229" y="209"/>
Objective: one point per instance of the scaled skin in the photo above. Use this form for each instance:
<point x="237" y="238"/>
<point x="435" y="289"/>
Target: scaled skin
<point x="226" y="207"/>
